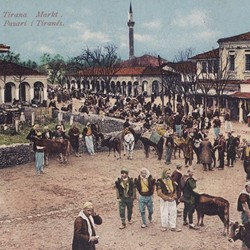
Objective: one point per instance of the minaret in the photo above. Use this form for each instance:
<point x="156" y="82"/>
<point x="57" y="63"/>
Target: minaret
<point x="131" y="24"/>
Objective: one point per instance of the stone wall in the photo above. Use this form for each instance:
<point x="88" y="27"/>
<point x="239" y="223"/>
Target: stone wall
<point x="107" y="124"/>
<point x="17" y="154"/>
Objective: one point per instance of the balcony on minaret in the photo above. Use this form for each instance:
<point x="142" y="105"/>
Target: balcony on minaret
<point x="4" y="48"/>
<point x="131" y="23"/>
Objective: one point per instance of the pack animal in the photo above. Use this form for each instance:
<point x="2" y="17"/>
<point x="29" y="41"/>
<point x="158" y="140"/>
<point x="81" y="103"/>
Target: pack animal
<point x="240" y="232"/>
<point x="211" y="205"/>
<point x="147" y="143"/>
<point x="179" y="144"/>
<point x="113" y="143"/>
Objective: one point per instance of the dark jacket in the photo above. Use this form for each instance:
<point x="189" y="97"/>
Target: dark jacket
<point x="188" y="186"/>
<point x="121" y="190"/>
<point x="151" y="184"/>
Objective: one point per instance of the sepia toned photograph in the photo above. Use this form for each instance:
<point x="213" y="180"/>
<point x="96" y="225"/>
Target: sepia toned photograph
<point x="124" y="124"/>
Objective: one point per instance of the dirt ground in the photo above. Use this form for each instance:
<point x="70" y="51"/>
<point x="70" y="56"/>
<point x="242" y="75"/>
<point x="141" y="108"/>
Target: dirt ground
<point x="38" y="212"/>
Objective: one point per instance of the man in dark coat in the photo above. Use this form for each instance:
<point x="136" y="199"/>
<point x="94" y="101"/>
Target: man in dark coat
<point x="206" y="154"/>
<point x="231" y="150"/>
<point x="74" y="134"/>
<point x="85" y="236"/>
<point x="188" y="183"/>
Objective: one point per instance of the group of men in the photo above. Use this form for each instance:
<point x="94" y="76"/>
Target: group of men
<point x="170" y="187"/>
<point x="59" y="134"/>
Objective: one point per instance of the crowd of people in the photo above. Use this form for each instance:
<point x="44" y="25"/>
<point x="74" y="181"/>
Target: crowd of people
<point x="189" y="128"/>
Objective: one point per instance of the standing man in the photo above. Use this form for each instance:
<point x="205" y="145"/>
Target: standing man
<point x="221" y="150"/>
<point x="34" y="135"/>
<point x="188" y="150"/>
<point x="206" y="154"/>
<point x="89" y="140"/>
<point x="145" y="186"/>
<point x="188" y="185"/>
<point x="84" y="228"/>
<point x="169" y="146"/>
<point x="243" y="204"/>
<point x="47" y="133"/>
<point x="177" y="124"/>
<point x="176" y="177"/>
<point x="125" y="193"/>
<point x="228" y="123"/>
<point x="246" y="160"/>
<point x="74" y="134"/>
<point x="166" y="190"/>
<point x="231" y="150"/>
<point x="216" y="126"/>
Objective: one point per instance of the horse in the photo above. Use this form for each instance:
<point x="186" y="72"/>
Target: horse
<point x="147" y="143"/>
<point x="113" y="143"/>
<point x="128" y="143"/>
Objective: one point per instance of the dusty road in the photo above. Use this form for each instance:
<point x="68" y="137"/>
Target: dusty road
<point x="38" y="212"/>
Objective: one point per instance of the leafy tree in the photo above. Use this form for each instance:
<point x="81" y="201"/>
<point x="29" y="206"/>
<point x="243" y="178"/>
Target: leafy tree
<point x="54" y="67"/>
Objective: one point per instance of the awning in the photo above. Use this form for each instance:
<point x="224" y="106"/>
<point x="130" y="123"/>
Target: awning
<point x="241" y="95"/>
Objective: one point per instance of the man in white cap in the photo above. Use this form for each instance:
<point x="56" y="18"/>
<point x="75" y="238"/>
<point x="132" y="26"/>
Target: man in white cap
<point x="243" y="205"/>
<point x="145" y="185"/>
<point x="84" y="228"/>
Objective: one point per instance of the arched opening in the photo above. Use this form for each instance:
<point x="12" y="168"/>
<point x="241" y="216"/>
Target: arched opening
<point x="155" y="88"/>
<point x="118" y="87"/>
<point x="136" y="89"/>
<point x="129" y="88"/>
<point x="38" y="92"/>
<point x="9" y="91"/>
<point x="124" y="92"/>
<point x="112" y="87"/>
<point x="144" y="88"/>
<point x="24" y="92"/>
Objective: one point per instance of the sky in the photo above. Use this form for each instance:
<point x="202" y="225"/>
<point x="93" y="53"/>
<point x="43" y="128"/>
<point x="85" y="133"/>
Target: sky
<point x="162" y="27"/>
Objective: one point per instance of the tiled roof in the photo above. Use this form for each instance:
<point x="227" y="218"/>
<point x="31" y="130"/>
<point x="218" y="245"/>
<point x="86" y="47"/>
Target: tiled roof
<point x="143" y="61"/>
<point x="207" y="55"/>
<point x="130" y="71"/>
<point x="184" y="67"/>
<point x="10" y="69"/>
<point x="241" y="37"/>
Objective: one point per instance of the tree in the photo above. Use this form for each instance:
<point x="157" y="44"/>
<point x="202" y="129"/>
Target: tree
<point x="101" y="63"/>
<point x="54" y="67"/>
<point x="187" y="85"/>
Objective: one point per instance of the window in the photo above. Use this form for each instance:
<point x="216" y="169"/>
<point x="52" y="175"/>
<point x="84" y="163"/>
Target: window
<point x="248" y="62"/>
<point x="204" y="67"/>
<point x="210" y="67"/>
<point x="231" y="62"/>
<point x="216" y="66"/>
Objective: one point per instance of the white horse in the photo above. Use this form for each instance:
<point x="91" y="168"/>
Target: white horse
<point x="129" y="143"/>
